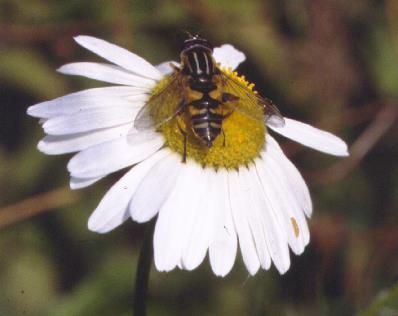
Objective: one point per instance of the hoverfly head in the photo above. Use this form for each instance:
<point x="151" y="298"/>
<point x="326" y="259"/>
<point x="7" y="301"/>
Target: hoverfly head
<point x="195" y="41"/>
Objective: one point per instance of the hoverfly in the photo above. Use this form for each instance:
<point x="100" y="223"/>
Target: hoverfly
<point x="198" y="89"/>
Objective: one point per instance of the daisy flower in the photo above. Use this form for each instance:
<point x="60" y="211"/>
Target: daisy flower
<point x="244" y="192"/>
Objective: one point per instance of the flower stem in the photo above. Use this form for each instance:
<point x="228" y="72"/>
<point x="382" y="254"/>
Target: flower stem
<point x="143" y="271"/>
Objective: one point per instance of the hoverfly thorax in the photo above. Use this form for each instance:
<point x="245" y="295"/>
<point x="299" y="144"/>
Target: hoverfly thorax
<point x="196" y="58"/>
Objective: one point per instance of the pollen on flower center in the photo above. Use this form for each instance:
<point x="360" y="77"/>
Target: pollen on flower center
<point x="240" y="142"/>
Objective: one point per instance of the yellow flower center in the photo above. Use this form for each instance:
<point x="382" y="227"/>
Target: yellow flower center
<point x="240" y="142"/>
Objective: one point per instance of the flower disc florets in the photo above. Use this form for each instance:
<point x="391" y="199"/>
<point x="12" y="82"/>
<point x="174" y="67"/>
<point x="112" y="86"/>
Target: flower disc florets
<point x="244" y="134"/>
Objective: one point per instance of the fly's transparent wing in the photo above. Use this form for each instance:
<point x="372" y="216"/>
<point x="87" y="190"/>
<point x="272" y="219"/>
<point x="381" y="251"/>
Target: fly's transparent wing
<point x="162" y="106"/>
<point x="271" y="113"/>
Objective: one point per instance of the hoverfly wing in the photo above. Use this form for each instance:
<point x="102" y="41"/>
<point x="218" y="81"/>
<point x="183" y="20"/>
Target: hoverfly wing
<point x="161" y="107"/>
<point x="271" y="113"/>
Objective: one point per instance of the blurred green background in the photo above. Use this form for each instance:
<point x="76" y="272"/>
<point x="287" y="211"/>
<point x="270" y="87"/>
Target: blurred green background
<point x="332" y="63"/>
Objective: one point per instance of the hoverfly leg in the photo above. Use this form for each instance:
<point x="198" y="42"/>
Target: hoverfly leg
<point x="184" y="155"/>
<point x="233" y="101"/>
<point x="227" y="114"/>
<point x="223" y="134"/>
<point x="184" y="134"/>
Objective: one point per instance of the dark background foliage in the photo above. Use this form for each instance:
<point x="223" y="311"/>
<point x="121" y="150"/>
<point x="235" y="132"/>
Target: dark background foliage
<point x="332" y="63"/>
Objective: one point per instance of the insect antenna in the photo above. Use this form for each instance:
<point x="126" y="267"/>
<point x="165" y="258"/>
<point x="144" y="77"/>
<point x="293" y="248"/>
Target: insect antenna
<point x="188" y="33"/>
<point x="198" y="33"/>
<point x="190" y="36"/>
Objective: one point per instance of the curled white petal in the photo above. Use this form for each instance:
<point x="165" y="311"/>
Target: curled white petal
<point x="312" y="137"/>
<point x="228" y="56"/>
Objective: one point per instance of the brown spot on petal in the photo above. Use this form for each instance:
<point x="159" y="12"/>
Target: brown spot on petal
<point x="295" y="226"/>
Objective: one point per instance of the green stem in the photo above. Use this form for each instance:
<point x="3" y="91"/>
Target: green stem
<point x="143" y="271"/>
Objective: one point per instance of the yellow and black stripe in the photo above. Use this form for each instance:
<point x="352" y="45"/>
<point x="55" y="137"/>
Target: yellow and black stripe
<point x="202" y="101"/>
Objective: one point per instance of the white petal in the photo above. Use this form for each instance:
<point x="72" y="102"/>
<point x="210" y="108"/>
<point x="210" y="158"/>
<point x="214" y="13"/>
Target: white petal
<point x="228" y="56"/>
<point x="155" y="188"/>
<point x="106" y="73"/>
<point x="223" y="245"/>
<point x="119" y="56"/>
<point x="282" y="200"/>
<point x="199" y="224"/>
<point x="96" y="97"/>
<point x="253" y="208"/>
<point x="111" y="156"/>
<point x="262" y="211"/>
<point x="288" y="172"/>
<point x="170" y="229"/>
<point x="312" y="137"/>
<point x="112" y="210"/>
<point x="165" y="67"/>
<point x="246" y="241"/>
<point x="90" y="120"/>
<point x="79" y="183"/>
<point x="56" y="145"/>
